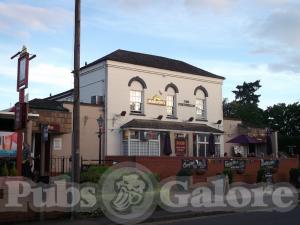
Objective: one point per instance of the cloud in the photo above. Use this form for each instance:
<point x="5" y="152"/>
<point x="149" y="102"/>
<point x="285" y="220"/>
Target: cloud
<point x="19" y="19"/>
<point x="276" y="87"/>
<point x="216" y="6"/>
<point x="276" y="33"/>
<point x="282" y="26"/>
<point x="43" y="73"/>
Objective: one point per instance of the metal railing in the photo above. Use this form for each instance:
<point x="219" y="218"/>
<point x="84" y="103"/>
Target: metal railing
<point x="60" y="165"/>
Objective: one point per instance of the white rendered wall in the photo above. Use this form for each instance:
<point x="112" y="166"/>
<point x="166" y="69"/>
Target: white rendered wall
<point x="117" y="98"/>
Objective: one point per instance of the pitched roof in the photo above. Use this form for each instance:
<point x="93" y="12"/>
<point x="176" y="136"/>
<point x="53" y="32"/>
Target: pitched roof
<point x="168" y="125"/>
<point x="153" y="61"/>
<point x="61" y="95"/>
<point x="47" y="105"/>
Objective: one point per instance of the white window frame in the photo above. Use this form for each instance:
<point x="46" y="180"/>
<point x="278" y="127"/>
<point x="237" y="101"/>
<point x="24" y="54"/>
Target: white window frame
<point x="206" y="143"/>
<point x="203" y="114"/>
<point x="172" y="105"/>
<point x="141" y="102"/>
<point x="140" y="143"/>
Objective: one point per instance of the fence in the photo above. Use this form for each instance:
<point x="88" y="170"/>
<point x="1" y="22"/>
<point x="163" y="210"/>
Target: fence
<point x="60" y="165"/>
<point x="63" y="165"/>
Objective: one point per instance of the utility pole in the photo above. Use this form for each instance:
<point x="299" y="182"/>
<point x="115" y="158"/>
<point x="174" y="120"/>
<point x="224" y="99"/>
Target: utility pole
<point x="76" y="102"/>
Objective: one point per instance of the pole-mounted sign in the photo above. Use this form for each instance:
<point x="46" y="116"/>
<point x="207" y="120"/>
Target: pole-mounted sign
<point x="23" y="64"/>
<point x="21" y="111"/>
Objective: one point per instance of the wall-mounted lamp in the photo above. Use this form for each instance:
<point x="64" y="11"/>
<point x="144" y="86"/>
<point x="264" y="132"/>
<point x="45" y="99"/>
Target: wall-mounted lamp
<point x="191" y="119"/>
<point x="219" y="122"/>
<point x="123" y="113"/>
<point x="160" y="117"/>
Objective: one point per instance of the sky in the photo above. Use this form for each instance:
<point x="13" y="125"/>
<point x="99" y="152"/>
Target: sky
<point x="241" y="40"/>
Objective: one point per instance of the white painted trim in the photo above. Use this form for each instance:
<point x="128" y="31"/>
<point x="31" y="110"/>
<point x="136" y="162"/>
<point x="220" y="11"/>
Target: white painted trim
<point x="183" y="76"/>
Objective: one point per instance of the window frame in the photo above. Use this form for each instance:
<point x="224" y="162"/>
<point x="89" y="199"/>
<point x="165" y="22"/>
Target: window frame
<point x="141" y="102"/>
<point x="206" y="144"/>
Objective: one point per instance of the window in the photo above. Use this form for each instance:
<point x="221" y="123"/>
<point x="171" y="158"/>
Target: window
<point x="172" y="91"/>
<point x="137" y="86"/>
<point x="170" y="105"/>
<point x="202" y="145"/>
<point x="200" y="105"/>
<point x="141" y="143"/>
<point x="136" y="101"/>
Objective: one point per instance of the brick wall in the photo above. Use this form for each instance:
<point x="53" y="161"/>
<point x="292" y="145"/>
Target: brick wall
<point x="169" y="166"/>
<point x="63" y="119"/>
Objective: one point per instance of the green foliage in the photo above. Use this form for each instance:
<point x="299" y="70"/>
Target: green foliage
<point x="245" y="93"/>
<point x="93" y="174"/>
<point x="295" y="176"/>
<point x="261" y="175"/>
<point x="4" y="170"/>
<point x="13" y="171"/>
<point x="284" y="118"/>
<point x="154" y="176"/>
<point x="184" y="173"/>
<point x="229" y="173"/>
<point x="285" y="141"/>
<point x="245" y="106"/>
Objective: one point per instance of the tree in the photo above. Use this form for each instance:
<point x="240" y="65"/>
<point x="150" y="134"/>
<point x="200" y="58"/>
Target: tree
<point x="245" y="94"/>
<point x="284" y="118"/>
<point x="229" y="108"/>
<point x="245" y="106"/>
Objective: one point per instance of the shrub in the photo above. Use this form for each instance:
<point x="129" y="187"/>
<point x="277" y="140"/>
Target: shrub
<point x="13" y="171"/>
<point x="184" y="173"/>
<point x="93" y="174"/>
<point x="295" y="176"/>
<point x="261" y="175"/>
<point x="4" y="170"/>
<point x="229" y="174"/>
<point x="154" y="176"/>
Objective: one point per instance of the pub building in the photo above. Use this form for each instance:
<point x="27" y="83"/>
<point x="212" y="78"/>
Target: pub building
<point x="155" y="106"/>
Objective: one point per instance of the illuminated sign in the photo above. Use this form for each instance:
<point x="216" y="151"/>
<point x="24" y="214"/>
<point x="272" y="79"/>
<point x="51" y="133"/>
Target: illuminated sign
<point x="156" y="100"/>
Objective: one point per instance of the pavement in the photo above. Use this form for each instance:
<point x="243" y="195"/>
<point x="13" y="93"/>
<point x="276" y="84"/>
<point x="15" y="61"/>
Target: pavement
<point x="249" y="218"/>
<point x="207" y="218"/>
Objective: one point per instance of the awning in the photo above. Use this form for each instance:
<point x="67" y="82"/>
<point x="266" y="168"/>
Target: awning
<point x="168" y="125"/>
<point x="245" y="139"/>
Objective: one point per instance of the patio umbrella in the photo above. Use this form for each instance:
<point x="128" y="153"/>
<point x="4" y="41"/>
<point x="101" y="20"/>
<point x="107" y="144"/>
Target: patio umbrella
<point x="269" y="145"/>
<point x="167" y="144"/>
<point x="245" y="139"/>
<point x="211" y="144"/>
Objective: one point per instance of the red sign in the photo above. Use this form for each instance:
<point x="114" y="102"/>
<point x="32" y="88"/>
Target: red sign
<point x="23" y="64"/>
<point x="180" y="146"/>
<point x="20" y="115"/>
<point x="54" y="127"/>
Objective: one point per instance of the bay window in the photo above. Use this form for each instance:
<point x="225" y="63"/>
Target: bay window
<point x="141" y="143"/>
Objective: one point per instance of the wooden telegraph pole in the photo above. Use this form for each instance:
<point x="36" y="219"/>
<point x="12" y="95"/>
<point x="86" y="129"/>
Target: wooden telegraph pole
<point x="76" y="103"/>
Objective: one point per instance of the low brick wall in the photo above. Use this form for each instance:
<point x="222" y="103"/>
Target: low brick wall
<point x="169" y="166"/>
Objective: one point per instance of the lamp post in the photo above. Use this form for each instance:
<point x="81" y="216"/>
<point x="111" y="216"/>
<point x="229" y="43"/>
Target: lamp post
<point x="100" y="121"/>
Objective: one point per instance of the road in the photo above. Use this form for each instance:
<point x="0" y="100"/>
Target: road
<point x="251" y="218"/>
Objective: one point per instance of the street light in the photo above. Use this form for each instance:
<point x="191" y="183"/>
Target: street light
<point x="100" y="121"/>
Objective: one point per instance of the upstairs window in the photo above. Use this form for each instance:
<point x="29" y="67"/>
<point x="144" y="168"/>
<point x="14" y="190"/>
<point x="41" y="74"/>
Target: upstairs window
<point x="171" y="100"/>
<point x="136" y="98"/>
<point x="136" y="101"/>
<point x="170" y="105"/>
<point x="201" y="104"/>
